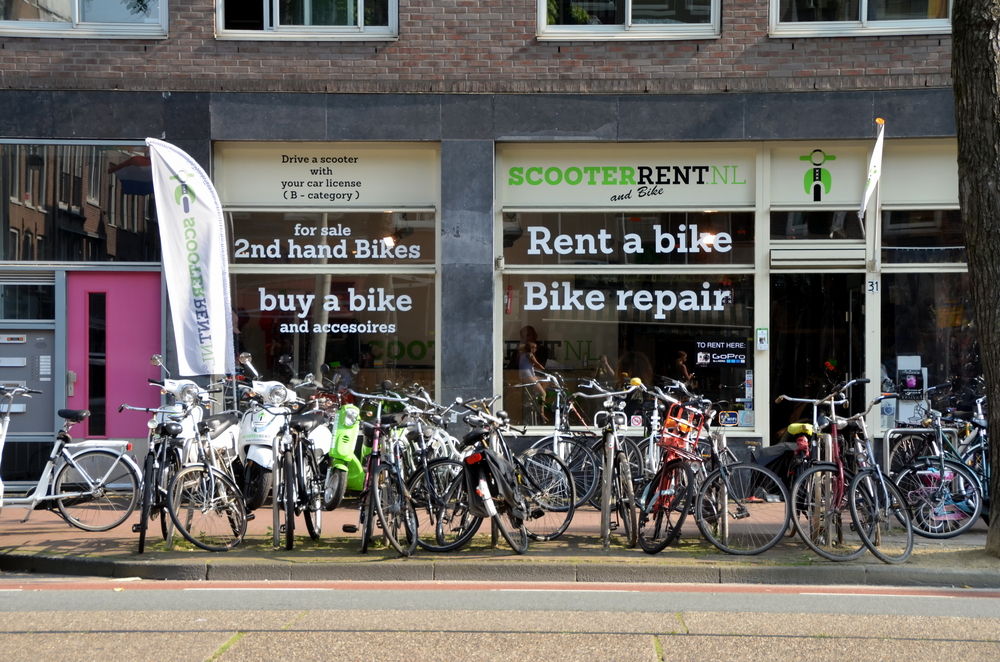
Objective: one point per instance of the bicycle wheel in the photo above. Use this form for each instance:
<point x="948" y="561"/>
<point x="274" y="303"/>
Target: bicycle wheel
<point x="441" y="502"/>
<point x="907" y="449"/>
<point x="576" y="452"/>
<point x="207" y="508"/>
<point x="165" y="476"/>
<point x="287" y="495"/>
<point x="549" y="494"/>
<point x="606" y="480"/>
<point x="940" y="508"/>
<point x="312" y="496"/>
<point x="105" y="489"/>
<point x="663" y="506"/>
<point x="623" y="496"/>
<point x="512" y="528"/>
<point x="395" y="511"/>
<point x="882" y="517"/>
<point x="367" y="510"/>
<point x="635" y="462"/>
<point x="742" y="509"/>
<point x="976" y="457"/>
<point x="145" y="505"/>
<point x="821" y="515"/>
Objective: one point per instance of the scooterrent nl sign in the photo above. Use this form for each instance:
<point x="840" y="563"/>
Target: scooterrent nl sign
<point x="195" y="262"/>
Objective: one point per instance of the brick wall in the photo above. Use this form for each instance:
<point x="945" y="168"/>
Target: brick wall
<point x="477" y="46"/>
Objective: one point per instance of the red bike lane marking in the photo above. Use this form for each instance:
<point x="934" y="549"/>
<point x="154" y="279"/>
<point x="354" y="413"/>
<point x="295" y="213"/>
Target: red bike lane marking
<point x="174" y="585"/>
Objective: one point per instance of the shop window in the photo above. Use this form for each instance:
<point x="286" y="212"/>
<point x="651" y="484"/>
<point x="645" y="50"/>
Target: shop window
<point x="625" y="19"/>
<point x="612" y="327"/>
<point x="925" y="236"/>
<point x="372" y="239"/>
<point x="642" y="238"/>
<point x="93" y="18"/>
<point x="815" y="225"/>
<point x="27" y="302"/>
<point x="928" y="337"/>
<point x="367" y="328"/>
<point x="66" y="220"/>
<point x="308" y="19"/>
<point x="840" y="17"/>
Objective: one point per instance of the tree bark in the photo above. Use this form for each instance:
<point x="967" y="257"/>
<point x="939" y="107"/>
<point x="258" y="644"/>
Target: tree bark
<point x="976" y="75"/>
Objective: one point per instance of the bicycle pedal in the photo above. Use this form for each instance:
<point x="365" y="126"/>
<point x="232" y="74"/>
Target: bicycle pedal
<point x="250" y="517"/>
<point x="350" y="528"/>
<point x="137" y="528"/>
<point x="281" y="529"/>
<point x="614" y="526"/>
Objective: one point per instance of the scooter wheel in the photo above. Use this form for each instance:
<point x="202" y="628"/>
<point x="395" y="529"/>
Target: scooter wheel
<point x="258" y="485"/>
<point x="336" y="485"/>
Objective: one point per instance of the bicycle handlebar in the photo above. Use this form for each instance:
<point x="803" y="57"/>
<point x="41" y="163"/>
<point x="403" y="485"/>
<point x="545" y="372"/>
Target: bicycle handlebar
<point x="829" y="399"/>
<point x="19" y="390"/>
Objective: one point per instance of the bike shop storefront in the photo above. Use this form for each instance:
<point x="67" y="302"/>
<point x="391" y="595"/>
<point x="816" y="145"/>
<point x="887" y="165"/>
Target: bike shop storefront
<point x="333" y="259"/>
<point x="742" y="269"/>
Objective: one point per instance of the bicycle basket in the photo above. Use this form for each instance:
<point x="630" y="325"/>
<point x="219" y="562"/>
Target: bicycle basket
<point x="681" y="427"/>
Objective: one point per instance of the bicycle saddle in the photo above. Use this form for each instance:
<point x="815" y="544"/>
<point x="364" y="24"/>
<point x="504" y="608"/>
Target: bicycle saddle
<point x="74" y="415"/>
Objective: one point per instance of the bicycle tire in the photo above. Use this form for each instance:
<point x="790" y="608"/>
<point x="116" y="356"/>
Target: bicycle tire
<point x="207" y="508"/>
<point x="663" y="505"/>
<point x="512" y="528"/>
<point x="113" y="497"/>
<point x="549" y="493"/>
<point x="623" y="495"/>
<point x="312" y="497"/>
<point x="444" y="522"/>
<point x="576" y="452"/>
<point x="287" y="495"/>
<point x="145" y="505"/>
<point x="821" y="514"/>
<point x="367" y="510"/>
<point x="883" y="523"/>
<point x="166" y="475"/>
<point x="940" y="513"/>
<point x="976" y="457"/>
<point x="635" y="461"/>
<point x="606" y="476"/>
<point x="908" y="449"/>
<point x="742" y="509"/>
<point x="394" y="510"/>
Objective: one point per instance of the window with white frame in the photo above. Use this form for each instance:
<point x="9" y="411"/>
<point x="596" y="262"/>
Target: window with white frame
<point x="843" y="17"/>
<point x="113" y="19"/>
<point x="330" y="20"/>
<point x="628" y="19"/>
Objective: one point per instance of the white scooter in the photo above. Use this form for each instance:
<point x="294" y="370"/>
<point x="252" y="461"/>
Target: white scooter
<point x="266" y="422"/>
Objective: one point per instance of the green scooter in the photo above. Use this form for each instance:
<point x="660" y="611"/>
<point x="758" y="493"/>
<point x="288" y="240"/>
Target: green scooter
<point x="346" y="470"/>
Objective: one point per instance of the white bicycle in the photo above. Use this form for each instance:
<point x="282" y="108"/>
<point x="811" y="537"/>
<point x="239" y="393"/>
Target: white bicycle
<point x="93" y="485"/>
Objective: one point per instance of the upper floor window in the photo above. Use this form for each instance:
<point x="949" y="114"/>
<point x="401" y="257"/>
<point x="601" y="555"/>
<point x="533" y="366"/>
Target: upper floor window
<point x="845" y="17"/>
<point x="628" y="19"/>
<point x="330" y="20"/>
<point x="113" y="19"/>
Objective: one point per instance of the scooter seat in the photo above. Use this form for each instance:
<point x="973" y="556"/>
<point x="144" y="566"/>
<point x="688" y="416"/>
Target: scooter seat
<point x="213" y="426"/>
<point x="169" y="429"/>
<point x="308" y="422"/>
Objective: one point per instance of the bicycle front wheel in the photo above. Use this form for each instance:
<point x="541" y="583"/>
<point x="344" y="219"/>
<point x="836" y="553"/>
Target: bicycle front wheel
<point x="207" y="508"/>
<point x="161" y="510"/>
<point x="940" y="507"/>
<point x="742" y="509"/>
<point x="102" y="490"/>
<point x="663" y="506"/>
<point x="395" y="511"/>
<point x="881" y="515"/>
<point x="606" y="480"/>
<point x="512" y="528"/>
<point x="287" y="494"/>
<point x="822" y="517"/>
<point x="145" y="504"/>
<point x="623" y="494"/>
<point x="549" y="494"/>
<point x="312" y="498"/>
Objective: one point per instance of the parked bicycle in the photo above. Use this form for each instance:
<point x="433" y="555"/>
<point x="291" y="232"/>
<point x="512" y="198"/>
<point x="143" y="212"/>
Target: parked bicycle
<point x="93" y="485"/>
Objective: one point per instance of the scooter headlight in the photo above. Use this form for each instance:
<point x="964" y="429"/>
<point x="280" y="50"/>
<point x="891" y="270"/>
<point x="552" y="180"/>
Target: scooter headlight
<point x="276" y="395"/>
<point x="351" y="416"/>
<point x="188" y="394"/>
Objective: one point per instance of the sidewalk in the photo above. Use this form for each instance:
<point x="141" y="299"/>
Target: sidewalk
<point x="46" y="544"/>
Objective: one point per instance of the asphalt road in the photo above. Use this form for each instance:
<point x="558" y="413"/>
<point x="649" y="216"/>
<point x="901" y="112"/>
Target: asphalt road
<point x="111" y="620"/>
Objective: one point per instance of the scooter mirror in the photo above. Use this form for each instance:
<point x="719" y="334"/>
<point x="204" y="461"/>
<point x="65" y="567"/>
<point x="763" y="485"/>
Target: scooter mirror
<point x="387" y="385"/>
<point x="355" y="369"/>
<point x="244" y="358"/>
<point x="308" y="378"/>
<point x="458" y="401"/>
<point x="156" y="359"/>
<point x="324" y="368"/>
<point x="284" y="359"/>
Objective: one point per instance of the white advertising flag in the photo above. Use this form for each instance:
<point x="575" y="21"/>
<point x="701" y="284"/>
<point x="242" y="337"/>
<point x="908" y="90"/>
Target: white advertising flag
<point x="195" y="261"/>
<point x="874" y="168"/>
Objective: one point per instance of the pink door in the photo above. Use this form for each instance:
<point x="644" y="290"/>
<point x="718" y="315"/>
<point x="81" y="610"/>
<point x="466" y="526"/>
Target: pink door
<point x="113" y="328"/>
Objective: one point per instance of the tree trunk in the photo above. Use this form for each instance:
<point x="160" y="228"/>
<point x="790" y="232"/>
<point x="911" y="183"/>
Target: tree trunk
<point x="976" y="74"/>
